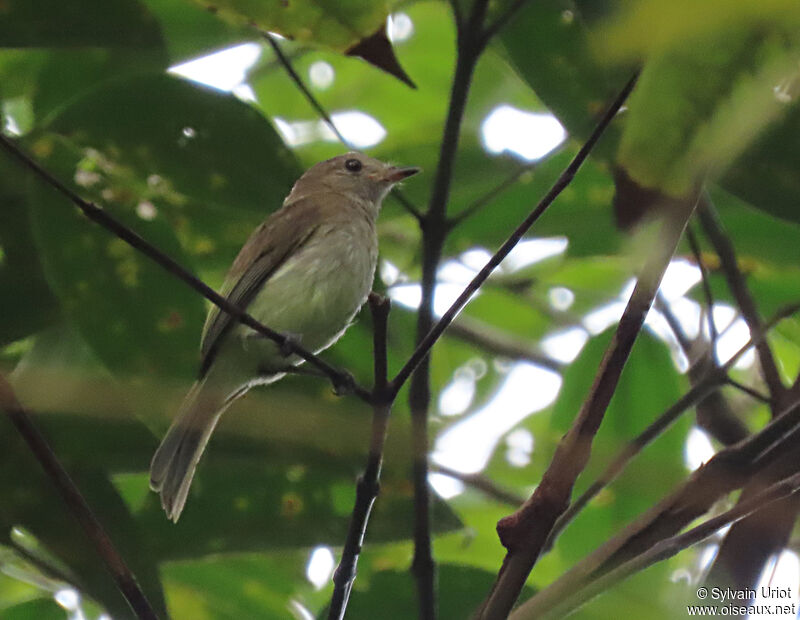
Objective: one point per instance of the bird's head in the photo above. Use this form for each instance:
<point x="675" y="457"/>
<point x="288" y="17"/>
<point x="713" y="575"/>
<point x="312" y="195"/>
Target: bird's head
<point x="352" y="174"/>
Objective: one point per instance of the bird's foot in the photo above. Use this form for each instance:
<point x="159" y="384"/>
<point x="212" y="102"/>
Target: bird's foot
<point x="344" y="383"/>
<point x="286" y="348"/>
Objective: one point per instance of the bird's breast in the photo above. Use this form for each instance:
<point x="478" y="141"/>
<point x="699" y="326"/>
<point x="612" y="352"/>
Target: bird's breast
<point x="318" y="290"/>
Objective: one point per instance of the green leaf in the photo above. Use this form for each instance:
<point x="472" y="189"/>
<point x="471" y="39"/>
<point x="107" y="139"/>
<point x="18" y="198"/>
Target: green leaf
<point x="84" y="23"/>
<point x="26" y="302"/>
<point x="696" y="108"/>
<point x="460" y="590"/>
<point x="549" y="44"/>
<point x="166" y="157"/>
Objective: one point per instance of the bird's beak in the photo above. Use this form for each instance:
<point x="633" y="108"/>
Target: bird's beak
<point x="394" y="174"/>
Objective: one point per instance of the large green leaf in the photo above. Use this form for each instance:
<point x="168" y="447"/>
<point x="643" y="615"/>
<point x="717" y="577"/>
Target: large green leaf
<point x="84" y="23"/>
<point x="168" y="157"/>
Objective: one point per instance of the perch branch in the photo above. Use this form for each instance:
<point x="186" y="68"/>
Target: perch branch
<point x="339" y="378"/>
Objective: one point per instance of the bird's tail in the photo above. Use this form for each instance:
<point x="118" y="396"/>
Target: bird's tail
<point x="175" y="461"/>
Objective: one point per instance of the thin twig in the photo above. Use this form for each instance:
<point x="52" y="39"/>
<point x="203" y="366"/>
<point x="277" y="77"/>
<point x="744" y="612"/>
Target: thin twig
<point x="287" y="65"/>
<point x="323" y="113"/>
<point x="482" y="201"/>
<point x="423" y="348"/>
<point x="406" y="203"/>
<point x="500" y="343"/>
<point x="369" y="482"/>
<point x="669" y="547"/>
<point x="662" y="305"/>
<point x="501" y="21"/>
<point x="728" y="470"/>
<point x="712" y="380"/>
<point x="705" y="282"/>
<point x="713" y="228"/>
<point x="763" y="398"/>
<point x="713" y="413"/>
<point x="482" y="483"/>
<point x="122" y="575"/>
<point x="339" y="378"/>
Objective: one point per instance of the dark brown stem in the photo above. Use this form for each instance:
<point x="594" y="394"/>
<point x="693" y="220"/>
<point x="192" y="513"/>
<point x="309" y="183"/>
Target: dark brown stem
<point x="369" y="482"/>
<point x="736" y="282"/>
<point x="434" y="232"/>
<point x="525" y="532"/>
<point x="670" y="546"/>
<point x="726" y="471"/>
<point x="312" y="100"/>
<point x="100" y="216"/>
<point x="122" y="575"/>
<point x="502" y="20"/>
<point x="424" y="347"/>
<point x="753" y="393"/>
<point x="705" y="283"/>
<point x="701" y="388"/>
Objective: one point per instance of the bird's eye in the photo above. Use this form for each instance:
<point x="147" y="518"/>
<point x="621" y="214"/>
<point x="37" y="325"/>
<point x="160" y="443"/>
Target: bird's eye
<point x="353" y="165"/>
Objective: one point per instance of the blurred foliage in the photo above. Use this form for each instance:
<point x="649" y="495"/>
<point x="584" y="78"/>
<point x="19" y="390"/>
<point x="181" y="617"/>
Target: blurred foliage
<point x="102" y="344"/>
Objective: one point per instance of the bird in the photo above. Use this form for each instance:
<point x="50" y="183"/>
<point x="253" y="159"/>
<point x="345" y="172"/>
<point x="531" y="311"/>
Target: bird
<point x="304" y="272"/>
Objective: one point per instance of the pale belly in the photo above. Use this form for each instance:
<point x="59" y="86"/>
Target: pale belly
<point x="313" y="297"/>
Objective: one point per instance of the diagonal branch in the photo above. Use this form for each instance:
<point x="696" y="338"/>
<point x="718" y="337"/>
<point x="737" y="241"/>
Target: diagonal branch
<point x="669" y="547"/>
<point x="482" y="201"/>
<point x="712" y="226"/>
<point x="525" y="532"/>
<point x="728" y="470"/>
<point x="502" y="20"/>
<point x="122" y="575"/>
<point x="713" y="379"/>
<point x="482" y="483"/>
<point x="706" y="284"/>
<point x="424" y="347"/>
<point x="340" y="379"/>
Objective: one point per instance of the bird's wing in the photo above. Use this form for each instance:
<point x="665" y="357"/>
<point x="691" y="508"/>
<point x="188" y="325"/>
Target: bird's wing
<point x="287" y="230"/>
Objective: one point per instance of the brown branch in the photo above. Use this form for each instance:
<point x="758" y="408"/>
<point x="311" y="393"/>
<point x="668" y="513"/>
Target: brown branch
<point x="712" y="379"/>
<point x="341" y="380"/>
<point x="122" y="575"/>
<point x="751" y="392"/>
<point x="499" y="343"/>
<point x="312" y="100"/>
<point x="726" y="471"/>
<point x="705" y="282"/>
<point x="709" y="220"/>
<point x="713" y="413"/>
<point x="434" y="232"/>
<point x="501" y="21"/>
<point x="525" y="532"/>
<point x="369" y="482"/>
<point x="669" y="547"/>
